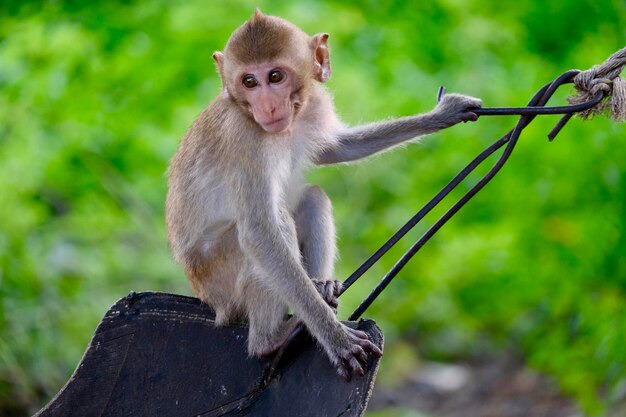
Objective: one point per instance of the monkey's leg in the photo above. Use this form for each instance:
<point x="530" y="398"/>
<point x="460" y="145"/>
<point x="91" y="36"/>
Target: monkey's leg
<point x="316" y="237"/>
<point x="213" y="273"/>
<point x="267" y="315"/>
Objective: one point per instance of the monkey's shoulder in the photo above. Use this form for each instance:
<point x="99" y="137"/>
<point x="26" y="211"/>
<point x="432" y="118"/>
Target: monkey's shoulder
<point x="213" y="135"/>
<point x="319" y="122"/>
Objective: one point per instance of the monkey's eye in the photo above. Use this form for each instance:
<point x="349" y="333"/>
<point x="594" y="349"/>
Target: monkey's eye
<point x="276" y="76"/>
<point x="249" y="81"/>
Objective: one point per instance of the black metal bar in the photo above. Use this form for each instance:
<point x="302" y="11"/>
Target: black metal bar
<point x="423" y="212"/>
<point x="541" y="97"/>
<point x="557" y="128"/>
<point x="538" y="100"/>
<point x="430" y="205"/>
<point x="566" y="77"/>
<point x="529" y="110"/>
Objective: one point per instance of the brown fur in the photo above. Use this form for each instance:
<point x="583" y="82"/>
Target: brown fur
<point x="253" y="239"/>
<point x="262" y="37"/>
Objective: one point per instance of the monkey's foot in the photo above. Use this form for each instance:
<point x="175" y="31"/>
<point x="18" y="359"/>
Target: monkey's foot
<point x="284" y="338"/>
<point x="347" y="360"/>
<point x="329" y="290"/>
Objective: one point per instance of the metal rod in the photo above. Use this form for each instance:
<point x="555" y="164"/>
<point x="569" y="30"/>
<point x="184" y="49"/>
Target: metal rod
<point x="557" y="128"/>
<point x="567" y="76"/>
<point x="539" y="99"/>
<point x="429" y="206"/>
<point x="527" y="115"/>
<point x="422" y="213"/>
<point x="529" y="110"/>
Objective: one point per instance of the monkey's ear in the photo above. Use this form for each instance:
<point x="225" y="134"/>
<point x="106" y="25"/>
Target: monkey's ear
<point x="219" y="60"/>
<point x="321" y="54"/>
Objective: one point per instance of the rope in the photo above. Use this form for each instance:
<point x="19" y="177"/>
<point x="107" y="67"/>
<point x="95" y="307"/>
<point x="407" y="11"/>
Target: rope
<point x="603" y="77"/>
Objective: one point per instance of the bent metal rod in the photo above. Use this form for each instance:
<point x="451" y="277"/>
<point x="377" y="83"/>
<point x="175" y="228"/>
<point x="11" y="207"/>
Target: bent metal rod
<point x="536" y="106"/>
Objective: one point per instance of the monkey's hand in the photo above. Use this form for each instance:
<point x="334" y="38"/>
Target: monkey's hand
<point x="456" y="108"/>
<point x="352" y="352"/>
<point x="329" y="290"/>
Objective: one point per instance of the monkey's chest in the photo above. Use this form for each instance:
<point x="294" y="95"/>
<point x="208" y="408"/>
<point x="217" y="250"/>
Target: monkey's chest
<point x="289" y="181"/>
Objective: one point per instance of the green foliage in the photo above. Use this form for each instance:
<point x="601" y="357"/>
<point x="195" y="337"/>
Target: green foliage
<point x="95" y="96"/>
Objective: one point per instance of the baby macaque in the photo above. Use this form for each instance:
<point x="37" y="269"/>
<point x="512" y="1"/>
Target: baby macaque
<point x="252" y="237"/>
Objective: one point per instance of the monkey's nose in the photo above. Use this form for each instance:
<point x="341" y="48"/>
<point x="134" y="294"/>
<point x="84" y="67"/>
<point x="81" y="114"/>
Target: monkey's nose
<point x="268" y="110"/>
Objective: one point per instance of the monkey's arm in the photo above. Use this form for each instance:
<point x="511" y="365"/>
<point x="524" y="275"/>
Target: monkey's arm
<point x="362" y="141"/>
<point x="267" y="235"/>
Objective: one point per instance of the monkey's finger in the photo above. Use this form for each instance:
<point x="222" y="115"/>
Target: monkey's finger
<point x="469" y="117"/>
<point x="329" y="290"/>
<point x="368" y="346"/>
<point x="342" y="370"/>
<point x="360" y="354"/>
<point x="329" y="296"/>
<point x="356" y="366"/>
<point x="477" y="103"/>
<point x="338" y="288"/>
<point x="360" y="334"/>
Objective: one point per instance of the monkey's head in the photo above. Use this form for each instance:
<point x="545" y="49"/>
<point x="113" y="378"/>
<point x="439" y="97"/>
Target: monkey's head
<point x="268" y="67"/>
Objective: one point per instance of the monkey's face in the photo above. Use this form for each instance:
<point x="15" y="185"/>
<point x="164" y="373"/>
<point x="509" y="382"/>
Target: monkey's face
<point x="270" y="92"/>
<point x="268" y="66"/>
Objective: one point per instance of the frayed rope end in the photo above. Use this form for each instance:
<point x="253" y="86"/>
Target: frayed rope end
<point x="603" y="77"/>
<point x="618" y="100"/>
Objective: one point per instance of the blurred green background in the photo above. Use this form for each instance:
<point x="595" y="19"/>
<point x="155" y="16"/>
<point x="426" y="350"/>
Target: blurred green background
<point x="94" y="97"/>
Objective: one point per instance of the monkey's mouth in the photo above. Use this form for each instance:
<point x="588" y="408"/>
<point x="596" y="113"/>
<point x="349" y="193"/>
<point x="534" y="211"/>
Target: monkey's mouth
<point x="276" y="126"/>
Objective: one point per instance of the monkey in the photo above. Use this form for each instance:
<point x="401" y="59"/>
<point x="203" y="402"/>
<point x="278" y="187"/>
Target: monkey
<point x="255" y="241"/>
